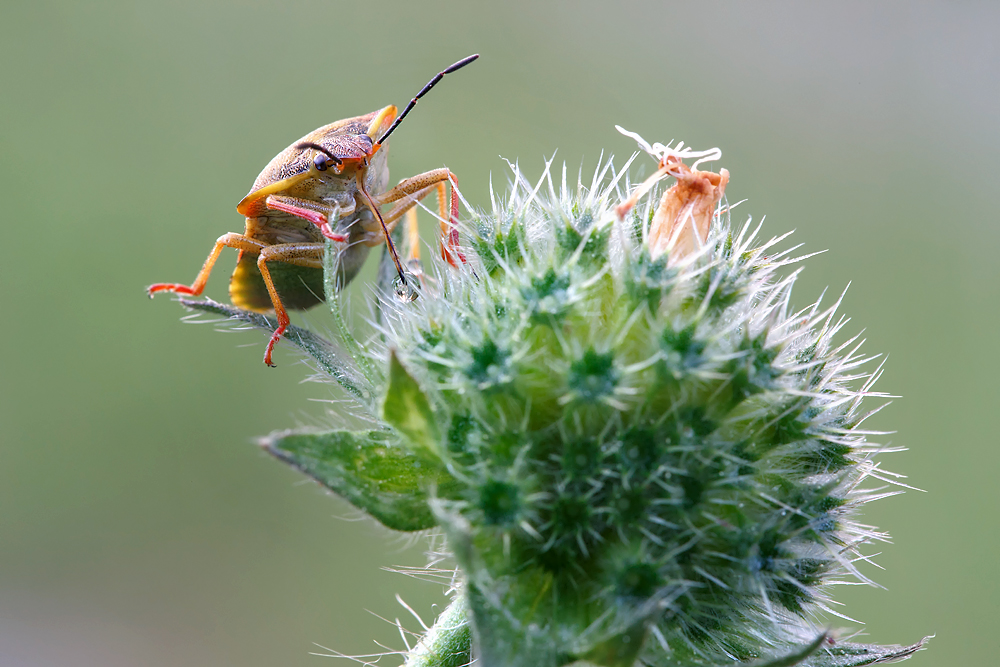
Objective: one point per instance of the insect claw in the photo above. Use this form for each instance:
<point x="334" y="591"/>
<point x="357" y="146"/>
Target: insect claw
<point x="275" y="337"/>
<point x="170" y="287"/>
<point x="325" y="230"/>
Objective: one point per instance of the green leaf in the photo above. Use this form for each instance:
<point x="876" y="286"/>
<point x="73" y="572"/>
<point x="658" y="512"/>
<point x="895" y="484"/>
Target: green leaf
<point x="859" y="655"/>
<point x="367" y="469"/>
<point x="317" y="347"/>
<point x="795" y="658"/>
<point x="408" y="411"/>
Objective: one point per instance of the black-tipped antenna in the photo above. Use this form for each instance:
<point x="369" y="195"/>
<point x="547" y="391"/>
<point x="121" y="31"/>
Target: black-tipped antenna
<point x="423" y="91"/>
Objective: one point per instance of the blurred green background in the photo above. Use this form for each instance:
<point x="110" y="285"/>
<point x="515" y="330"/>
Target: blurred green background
<point x="138" y="522"/>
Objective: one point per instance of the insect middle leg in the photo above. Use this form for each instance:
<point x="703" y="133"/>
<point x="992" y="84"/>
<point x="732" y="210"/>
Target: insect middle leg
<point x="413" y="189"/>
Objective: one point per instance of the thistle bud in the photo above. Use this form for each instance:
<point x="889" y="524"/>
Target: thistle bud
<point x="636" y="446"/>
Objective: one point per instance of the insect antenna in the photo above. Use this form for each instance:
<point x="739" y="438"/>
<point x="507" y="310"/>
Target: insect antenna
<point x="385" y="231"/>
<point x="423" y="91"/>
<point x="308" y="144"/>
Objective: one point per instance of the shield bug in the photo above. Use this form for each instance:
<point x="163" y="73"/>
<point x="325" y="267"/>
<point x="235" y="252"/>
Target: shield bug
<point x="331" y="183"/>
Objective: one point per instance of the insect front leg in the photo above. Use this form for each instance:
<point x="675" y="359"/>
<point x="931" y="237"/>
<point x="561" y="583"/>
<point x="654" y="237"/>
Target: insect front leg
<point x="301" y="254"/>
<point x="318" y="213"/>
<point x="230" y="240"/>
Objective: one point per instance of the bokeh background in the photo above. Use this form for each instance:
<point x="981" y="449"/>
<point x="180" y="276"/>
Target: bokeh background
<point x="139" y="525"/>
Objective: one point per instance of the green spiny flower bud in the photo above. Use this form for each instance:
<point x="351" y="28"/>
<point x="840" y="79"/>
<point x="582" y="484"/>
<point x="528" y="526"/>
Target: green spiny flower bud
<point x="637" y="449"/>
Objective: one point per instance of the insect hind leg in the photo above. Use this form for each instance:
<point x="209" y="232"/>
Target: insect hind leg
<point x="230" y="240"/>
<point x="303" y="254"/>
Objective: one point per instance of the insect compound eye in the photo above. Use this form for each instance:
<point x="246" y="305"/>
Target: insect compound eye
<point x="323" y="159"/>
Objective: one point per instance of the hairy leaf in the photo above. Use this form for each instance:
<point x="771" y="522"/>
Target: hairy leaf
<point x="859" y="655"/>
<point x="369" y="470"/>
<point x="318" y="348"/>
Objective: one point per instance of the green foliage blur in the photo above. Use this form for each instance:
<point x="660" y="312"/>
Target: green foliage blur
<point x="139" y="522"/>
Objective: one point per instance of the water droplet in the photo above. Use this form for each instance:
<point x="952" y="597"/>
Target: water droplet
<point x="405" y="290"/>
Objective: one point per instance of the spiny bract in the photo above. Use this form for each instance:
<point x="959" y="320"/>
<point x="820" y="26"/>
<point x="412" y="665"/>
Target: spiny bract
<point x="637" y="449"/>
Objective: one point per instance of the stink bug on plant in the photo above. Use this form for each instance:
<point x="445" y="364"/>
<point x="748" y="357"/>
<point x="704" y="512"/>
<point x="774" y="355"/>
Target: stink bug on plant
<point x="330" y="183"/>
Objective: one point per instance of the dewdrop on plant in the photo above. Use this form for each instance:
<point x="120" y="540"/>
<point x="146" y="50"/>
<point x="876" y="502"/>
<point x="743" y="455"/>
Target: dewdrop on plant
<point x="638" y="450"/>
